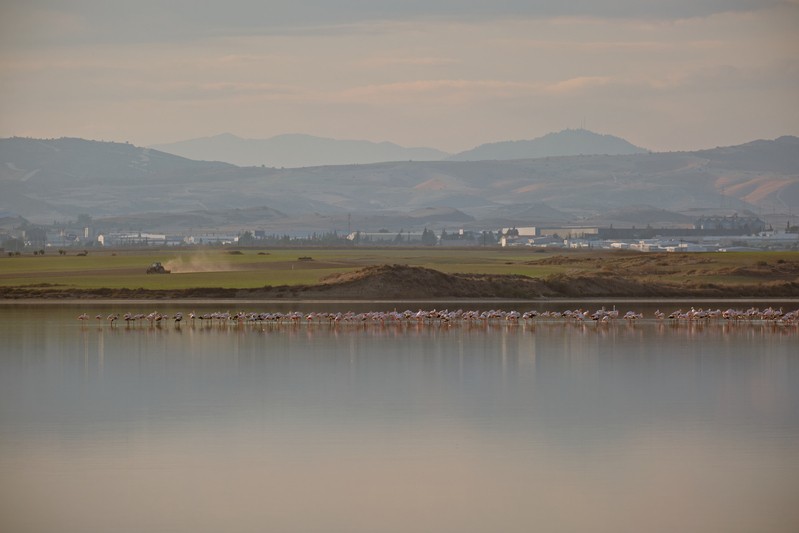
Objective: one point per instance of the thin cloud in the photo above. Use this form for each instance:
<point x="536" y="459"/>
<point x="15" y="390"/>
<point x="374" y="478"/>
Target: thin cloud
<point x="108" y="21"/>
<point x="216" y="91"/>
<point x="385" y="62"/>
<point x="445" y="91"/>
<point x="577" y="84"/>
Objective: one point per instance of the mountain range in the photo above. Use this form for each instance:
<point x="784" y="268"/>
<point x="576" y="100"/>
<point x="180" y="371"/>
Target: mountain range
<point x="292" y="151"/>
<point x="142" y="188"/>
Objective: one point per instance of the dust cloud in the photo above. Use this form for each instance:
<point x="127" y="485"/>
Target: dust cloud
<point x="198" y="263"/>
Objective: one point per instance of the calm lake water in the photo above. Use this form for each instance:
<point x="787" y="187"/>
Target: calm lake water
<point x="552" y="427"/>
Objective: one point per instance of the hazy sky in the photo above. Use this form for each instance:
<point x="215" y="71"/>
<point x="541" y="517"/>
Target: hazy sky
<point x="450" y="74"/>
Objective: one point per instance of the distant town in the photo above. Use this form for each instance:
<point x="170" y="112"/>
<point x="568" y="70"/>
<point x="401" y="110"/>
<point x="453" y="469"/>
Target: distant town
<point x="708" y="234"/>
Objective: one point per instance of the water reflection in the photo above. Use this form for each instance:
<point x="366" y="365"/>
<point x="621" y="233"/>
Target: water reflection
<point x="549" y="425"/>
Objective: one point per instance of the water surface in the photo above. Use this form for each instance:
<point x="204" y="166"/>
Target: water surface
<point x="551" y="426"/>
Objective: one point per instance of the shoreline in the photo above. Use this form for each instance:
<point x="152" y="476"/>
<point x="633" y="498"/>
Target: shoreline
<point x="231" y="301"/>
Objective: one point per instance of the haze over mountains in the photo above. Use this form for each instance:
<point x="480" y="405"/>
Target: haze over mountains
<point x="142" y="188"/>
<point x="309" y="151"/>
<point x="295" y="150"/>
<point x="562" y="143"/>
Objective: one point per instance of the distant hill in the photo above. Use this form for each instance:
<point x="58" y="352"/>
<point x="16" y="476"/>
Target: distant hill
<point x="295" y="150"/>
<point x="39" y="160"/>
<point x="563" y="143"/>
<point x="51" y="178"/>
<point x="57" y="179"/>
<point x="779" y="155"/>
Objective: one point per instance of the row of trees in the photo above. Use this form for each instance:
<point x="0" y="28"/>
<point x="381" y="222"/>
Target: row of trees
<point x="329" y="238"/>
<point x="36" y="239"/>
<point x="429" y="238"/>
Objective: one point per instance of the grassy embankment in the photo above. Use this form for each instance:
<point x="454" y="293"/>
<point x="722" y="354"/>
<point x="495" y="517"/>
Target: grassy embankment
<point x="252" y="269"/>
<point x="248" y="269"/>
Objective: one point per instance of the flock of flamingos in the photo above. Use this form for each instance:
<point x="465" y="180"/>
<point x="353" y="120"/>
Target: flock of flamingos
<point x="602" y="316"/>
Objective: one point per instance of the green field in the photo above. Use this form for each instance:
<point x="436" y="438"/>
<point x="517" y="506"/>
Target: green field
<point x="250" y="268"/>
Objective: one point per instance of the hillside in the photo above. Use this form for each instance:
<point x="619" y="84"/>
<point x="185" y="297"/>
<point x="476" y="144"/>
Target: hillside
<point x="44" y="180"/>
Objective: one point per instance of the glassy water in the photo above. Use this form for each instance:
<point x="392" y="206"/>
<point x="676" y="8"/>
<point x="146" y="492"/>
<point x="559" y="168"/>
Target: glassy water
<point x="367" y="428"/>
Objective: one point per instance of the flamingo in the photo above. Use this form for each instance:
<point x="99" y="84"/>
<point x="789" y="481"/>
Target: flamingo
<point x="632" y="315"/>
<point x="446" y="317"/>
